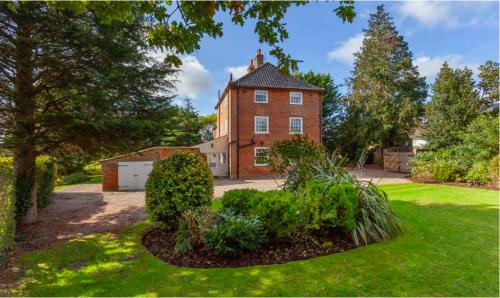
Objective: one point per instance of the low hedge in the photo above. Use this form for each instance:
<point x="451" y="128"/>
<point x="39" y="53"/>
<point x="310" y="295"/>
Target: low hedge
<point x="45" y="180"/>
<point x="7" y="206"/>
<point x="46" y="175"/>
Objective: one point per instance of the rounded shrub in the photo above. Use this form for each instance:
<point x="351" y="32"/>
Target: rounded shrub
<point x="326" y="206"/>
<point x="278" y="211"/>
<point x="238" y="201"/>
<point x="180" y="182"/>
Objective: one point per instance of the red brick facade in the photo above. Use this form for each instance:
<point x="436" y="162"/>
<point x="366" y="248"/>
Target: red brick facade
<point x="242" y="137"/>
<point x="110" y="166"/>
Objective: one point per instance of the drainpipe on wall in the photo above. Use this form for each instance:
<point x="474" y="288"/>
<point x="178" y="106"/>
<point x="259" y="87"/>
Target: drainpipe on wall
<point x="238" y="133"/>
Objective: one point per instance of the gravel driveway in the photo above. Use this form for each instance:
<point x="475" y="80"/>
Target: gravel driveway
<point x="83" y="209"/>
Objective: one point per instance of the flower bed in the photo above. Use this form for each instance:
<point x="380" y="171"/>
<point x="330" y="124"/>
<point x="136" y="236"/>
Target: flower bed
<point x="161" y="243"/>
<point x="322" y="209"/>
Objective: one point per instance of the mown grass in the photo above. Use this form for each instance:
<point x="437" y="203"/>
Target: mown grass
<point x="450" y="249"/>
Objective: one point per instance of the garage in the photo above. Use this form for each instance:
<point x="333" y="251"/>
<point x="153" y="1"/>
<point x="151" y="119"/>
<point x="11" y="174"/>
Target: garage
<point x="130" y="171"/>
<point x="132" y="175"/>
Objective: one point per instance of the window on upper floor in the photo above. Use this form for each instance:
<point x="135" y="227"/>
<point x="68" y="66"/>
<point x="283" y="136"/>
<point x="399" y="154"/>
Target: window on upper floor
<point x="260" y="96"/>
<point x="261" y="124"/>
<point x="261" y="156"/>
<point x="296" y="126"/>
<point x="295" y="98"/>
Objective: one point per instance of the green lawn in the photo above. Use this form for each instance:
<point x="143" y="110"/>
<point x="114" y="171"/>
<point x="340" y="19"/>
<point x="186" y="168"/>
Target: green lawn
<point x="450" y="249"/>
<point x="93" y="179"/>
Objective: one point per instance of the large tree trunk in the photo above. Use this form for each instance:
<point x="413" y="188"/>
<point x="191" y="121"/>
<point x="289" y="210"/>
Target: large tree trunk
<point x="25" y="107"/>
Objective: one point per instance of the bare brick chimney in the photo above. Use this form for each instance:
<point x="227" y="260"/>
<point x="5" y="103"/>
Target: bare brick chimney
<point x="250" y="67"/>
<point x="259" y="59"/>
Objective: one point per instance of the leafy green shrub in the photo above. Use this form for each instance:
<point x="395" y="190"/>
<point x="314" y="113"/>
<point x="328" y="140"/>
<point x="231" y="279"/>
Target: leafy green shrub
<point x="75" y="178"/>
<point x="479" y="173"/>
<point x="278" y="212"/>
<point x="444" y="171"/>
<point x="180" y="182"/>
<point x="238" y="200"/>
<point x="46" y="175"/>
<point x="93" y="168"/>
<point x="494" y="170"/>
<point x="375" y="220"/>
<point x="233" y="233"/>
<point x="294" y="158"/>
<point x="326" y="206"/>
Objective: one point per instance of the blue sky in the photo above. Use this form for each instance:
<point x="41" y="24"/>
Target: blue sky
<point x="462" y="33"/>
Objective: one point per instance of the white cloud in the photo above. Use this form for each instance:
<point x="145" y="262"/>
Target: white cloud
<point x="345" y="51"/>
<point x="447" y="13"/>
<point x="237" y="71"/>
<point x="429" y="66"/>
<point x="193" y="78"/>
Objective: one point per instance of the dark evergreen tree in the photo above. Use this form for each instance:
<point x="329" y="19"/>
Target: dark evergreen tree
<point x="183" y="127"/>
<point x="386" y="91"/>
<point x="453" y="106"/>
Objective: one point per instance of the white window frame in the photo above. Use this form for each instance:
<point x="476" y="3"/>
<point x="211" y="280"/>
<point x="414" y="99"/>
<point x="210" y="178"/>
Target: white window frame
<point x="301" y="126"/>
<point x="255" y="157"/>
<point x="255" y="96"/>
<point x="255" y="125"/>
<point x="301" y="98"/>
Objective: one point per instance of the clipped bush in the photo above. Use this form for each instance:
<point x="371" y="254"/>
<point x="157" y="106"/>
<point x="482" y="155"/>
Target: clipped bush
<point x="178" y="183"/>
<point x="233" y="233"/>
<point x="278" y="212"/>
<point x="93" y="168"/>
<point x="238" y="200"/>
<point x="46" y="175"/>
<point x="326" y="206"/>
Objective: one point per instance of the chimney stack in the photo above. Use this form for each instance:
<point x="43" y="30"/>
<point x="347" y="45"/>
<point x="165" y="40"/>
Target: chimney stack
<point x="259" y="59"/>
<point x="250" y="67"/>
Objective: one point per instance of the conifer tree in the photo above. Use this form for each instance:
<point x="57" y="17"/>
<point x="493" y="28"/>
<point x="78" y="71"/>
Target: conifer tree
<point x="454" y="104"/>
<point x="386" y="89"/>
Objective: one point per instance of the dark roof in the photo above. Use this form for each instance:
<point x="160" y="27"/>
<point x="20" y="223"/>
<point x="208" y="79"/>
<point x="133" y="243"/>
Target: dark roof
<point x="268" y="76"/>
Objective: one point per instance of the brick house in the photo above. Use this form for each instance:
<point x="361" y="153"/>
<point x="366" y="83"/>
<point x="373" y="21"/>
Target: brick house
<point x="256" y="110"/>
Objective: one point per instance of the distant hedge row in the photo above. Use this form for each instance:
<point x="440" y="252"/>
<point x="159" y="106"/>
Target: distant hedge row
<point x="7" y="222"/>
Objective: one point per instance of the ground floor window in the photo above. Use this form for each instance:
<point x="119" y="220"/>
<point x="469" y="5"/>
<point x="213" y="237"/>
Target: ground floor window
<point x="261" y="156"/>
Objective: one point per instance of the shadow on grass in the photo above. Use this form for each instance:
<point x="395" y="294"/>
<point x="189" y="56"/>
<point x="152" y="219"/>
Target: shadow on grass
<point x="449" y="250"/>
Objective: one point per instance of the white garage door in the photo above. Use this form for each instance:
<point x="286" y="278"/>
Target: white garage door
<point x="132" y="175"/>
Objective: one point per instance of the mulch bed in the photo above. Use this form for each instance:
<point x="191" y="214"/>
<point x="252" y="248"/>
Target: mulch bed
<point x="161" y="243"/>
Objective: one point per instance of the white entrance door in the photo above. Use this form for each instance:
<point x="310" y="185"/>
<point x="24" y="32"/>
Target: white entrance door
<point x="132" y="175"/>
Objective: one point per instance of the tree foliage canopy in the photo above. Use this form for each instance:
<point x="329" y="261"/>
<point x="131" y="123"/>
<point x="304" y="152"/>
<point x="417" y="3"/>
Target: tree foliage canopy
<point x="489" y="82"/>
<point x="386" y="89"/>
<point x="454" y="104"/>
